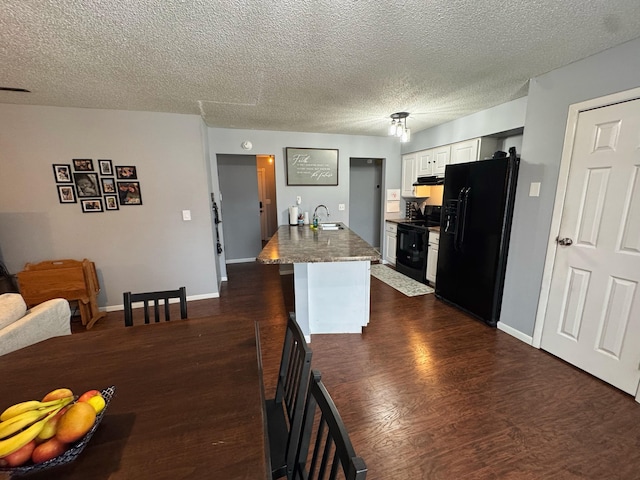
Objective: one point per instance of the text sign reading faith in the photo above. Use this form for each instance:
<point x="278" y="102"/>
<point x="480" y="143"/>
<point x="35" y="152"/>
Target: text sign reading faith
<point x="312" y="166"/>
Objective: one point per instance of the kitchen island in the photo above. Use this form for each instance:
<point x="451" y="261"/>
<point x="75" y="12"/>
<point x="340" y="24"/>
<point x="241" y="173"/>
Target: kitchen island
<point x="331" y="276"/>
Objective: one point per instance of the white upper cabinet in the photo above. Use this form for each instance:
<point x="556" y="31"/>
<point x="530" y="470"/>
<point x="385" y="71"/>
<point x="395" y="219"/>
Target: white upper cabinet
<point x="441" y="158"/>
<point x="466" y="151"/>
<point x="426" y="163"/>
<point x="472" y="150"/>
<point x="408" y="175"/>
<point x="432" y="162"/>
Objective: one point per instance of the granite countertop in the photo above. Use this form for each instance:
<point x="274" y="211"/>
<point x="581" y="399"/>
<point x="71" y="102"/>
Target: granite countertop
<point x="293" y="244"/>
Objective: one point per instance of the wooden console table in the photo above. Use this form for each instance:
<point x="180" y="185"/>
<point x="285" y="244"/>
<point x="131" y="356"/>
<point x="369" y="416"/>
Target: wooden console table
<point x="69" y="279"/>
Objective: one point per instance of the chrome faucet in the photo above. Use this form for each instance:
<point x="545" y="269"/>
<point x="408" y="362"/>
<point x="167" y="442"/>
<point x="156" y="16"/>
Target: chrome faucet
<point x="315" y="215"/>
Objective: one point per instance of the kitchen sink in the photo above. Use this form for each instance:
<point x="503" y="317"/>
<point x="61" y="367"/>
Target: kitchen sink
<point x="330" y="226"/>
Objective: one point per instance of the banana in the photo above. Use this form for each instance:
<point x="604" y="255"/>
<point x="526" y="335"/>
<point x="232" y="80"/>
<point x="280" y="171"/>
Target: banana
<point x="22" y="407"/>
<point x="17" y="423"/>
<point x="19" y="440"/>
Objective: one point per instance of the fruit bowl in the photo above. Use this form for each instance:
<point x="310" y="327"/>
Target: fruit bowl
<point x="74" y="449"/>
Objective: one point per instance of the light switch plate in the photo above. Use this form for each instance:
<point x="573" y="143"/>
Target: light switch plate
<point x="534" y="189"/>
<point x="186" y="215"/>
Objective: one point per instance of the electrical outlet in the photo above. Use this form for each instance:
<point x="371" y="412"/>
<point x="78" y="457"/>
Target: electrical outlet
<point x="298" y="200"/>
<point x="341" y="206"/>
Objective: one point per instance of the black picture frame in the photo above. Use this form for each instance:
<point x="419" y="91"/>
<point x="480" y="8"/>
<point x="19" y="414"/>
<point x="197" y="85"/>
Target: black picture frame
<point x="62" y="173"/>
<point x="129" y="193"/>
<point x="111" y="202"/>
<point x="67" y="193"/>
<point x="83" y="165"/>
<point x="126" y="172"/>
<point x="106" y="167"/>
<point x="312" y="166"/>
<point x="91" y="205"/>
<point x="108" y="186"/>
<point x="87" y="185"/>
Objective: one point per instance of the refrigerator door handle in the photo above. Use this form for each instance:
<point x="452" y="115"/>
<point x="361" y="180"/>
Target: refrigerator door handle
<point x="456" y="232"/>
<point x="463" y="218"/>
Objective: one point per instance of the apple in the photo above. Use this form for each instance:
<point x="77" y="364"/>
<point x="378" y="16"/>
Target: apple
<point x="93" y="398"/>
<point x="88" y="394"/>
<point x="20" y="456"/>
<point x="48" y="450"/>
<point x="57" y="394"/>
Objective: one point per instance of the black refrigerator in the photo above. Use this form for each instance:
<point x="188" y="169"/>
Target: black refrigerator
<point x="477" y="207"/>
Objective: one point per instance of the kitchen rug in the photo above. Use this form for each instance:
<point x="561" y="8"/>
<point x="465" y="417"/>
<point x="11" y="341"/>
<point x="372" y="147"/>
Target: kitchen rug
<point x="402" y="283"/>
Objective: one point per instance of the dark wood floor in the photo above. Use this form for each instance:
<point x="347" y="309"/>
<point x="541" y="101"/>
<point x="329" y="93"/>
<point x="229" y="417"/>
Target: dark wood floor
<point x="427" y="392"/>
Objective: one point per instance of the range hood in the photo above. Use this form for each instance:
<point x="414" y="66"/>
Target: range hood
<point x="431" y="180"/>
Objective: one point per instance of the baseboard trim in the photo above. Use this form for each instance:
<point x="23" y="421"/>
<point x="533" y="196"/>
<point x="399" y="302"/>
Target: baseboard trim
<point x="204" y="296"/>
<point x="515" y="333"/>
<point x="241" y="260"/>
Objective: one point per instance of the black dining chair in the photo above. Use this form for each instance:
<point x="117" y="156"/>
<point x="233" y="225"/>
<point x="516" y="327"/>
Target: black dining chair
<point x="284" y="411"/>
<point x="325" y="449"/>
<point x="154" y="298"/>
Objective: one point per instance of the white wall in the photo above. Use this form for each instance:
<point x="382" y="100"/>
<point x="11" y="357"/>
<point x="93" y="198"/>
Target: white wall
<point x="228" y="141"/>
<point x="550" y="96"/>
<point x="137" y="248"/>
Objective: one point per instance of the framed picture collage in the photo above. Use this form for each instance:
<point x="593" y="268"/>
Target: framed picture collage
<point x="97" y="187"/>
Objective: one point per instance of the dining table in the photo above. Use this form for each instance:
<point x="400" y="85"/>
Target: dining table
<point x="188" y="400"/>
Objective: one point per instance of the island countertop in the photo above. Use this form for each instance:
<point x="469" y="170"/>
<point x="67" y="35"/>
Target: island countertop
<point x="293" y="244"/>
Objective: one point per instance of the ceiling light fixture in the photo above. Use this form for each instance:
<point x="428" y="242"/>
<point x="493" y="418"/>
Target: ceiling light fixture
<point x="398" y="127"/>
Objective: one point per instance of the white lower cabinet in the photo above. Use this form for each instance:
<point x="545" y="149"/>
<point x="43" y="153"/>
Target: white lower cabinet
<point x="390" y="239"/>
<point x="432" y="257"/>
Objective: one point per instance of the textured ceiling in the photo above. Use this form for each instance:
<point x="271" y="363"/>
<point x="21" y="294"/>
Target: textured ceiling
<point x="330" y="66"/>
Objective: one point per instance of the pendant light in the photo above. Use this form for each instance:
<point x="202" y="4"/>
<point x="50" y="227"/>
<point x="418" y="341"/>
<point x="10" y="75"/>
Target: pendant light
<point x="398" y="127"/>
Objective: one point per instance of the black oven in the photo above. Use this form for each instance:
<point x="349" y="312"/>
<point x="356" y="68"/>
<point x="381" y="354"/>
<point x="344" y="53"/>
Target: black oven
<point x="411" y="250"/>
<point x="413" y="242"/>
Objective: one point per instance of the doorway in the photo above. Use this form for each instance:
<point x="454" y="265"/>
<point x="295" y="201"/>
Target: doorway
<point x="365" y="199"/>
<point x="247" y="204"/>
<point x="589" y="311"/>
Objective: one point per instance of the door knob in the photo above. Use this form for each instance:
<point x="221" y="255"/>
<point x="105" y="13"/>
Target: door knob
<point x="564" y="241"/>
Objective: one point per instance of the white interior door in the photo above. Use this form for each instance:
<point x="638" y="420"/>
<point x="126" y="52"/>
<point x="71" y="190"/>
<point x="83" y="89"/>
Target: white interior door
<point x="593" y="311"/>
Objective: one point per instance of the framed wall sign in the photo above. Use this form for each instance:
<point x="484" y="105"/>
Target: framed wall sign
<point x="312" y="166"/>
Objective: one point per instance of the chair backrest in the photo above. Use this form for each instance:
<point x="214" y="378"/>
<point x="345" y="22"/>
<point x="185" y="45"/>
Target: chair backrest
<point x="325" y="450"/>
<point x="293" y="381"/>
<point x="154" y="297"/>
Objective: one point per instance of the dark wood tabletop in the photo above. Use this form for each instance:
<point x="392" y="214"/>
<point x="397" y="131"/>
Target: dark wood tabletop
<point x="188" y="400"/>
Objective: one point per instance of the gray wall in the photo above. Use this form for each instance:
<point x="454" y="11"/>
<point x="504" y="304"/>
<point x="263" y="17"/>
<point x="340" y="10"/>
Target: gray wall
<point x="239" y="206"/>
<point x="136" y="248"/>
<point x="501" y="118"/>
<point x="550" y="96"/>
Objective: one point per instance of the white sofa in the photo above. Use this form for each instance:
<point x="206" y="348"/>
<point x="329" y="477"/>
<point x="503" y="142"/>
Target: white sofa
<point x="20" y="327"/>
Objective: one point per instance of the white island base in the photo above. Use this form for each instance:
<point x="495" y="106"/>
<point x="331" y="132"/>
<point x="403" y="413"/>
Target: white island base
<point x="332" y="297"/>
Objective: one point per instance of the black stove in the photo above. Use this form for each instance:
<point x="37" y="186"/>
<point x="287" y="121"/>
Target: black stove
<point x="425" y="223"/>
<point x="430" y="218"/>
<point x="412" y="243"/>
